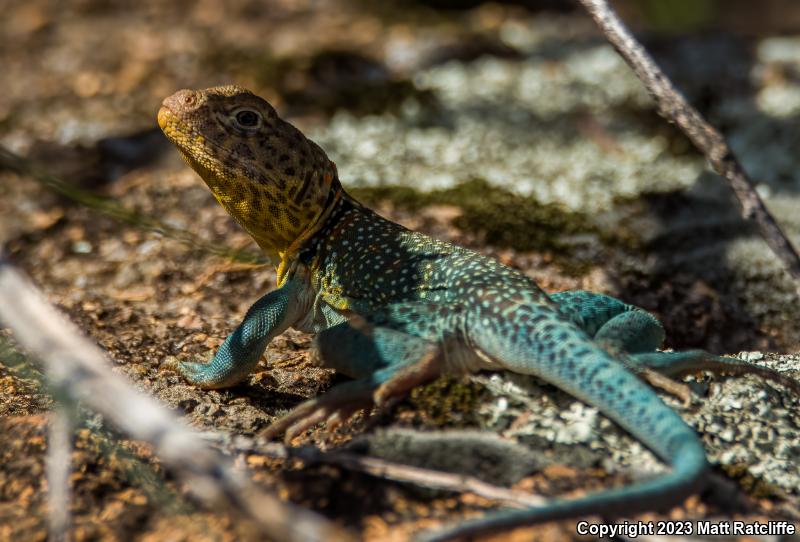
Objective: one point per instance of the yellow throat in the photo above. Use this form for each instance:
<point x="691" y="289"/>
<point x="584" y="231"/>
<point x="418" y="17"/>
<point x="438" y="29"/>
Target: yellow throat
<point x="279" y="185"/>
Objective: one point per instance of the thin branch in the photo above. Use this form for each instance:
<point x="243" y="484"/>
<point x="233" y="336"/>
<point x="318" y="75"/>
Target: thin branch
<point x="432" y="479"/>
<point x="672" y="105"/>
<point x="79" y="370"/>
<point x="398" y="472"/>
<point x="59" y="451"/>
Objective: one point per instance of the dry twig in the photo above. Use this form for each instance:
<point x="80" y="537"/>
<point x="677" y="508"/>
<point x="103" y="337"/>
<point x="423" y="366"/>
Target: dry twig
<point x="672" y="105"/>
<point x="398" y="472"/>
<point x="59" y="451"/>
<point x="79" y="371"/>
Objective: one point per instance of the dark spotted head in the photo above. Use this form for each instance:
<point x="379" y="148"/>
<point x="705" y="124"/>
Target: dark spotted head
<point x="273" y="180"/>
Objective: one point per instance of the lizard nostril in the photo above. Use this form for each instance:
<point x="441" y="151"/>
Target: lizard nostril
<point x="181" y="100"/>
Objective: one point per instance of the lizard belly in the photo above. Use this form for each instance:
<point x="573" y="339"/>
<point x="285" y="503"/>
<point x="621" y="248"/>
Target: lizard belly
<point x="461" y="358"/>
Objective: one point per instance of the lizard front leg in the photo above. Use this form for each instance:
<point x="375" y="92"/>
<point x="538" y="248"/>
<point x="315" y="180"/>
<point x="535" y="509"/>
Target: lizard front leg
<point x="237" y="357"/>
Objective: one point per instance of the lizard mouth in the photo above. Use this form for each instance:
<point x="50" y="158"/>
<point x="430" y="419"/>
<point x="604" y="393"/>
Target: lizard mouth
<point x="189" y="141"/>
<point x="164" y="115"/>
<point x="182" y="136"/>
<point x="175" y="130"/>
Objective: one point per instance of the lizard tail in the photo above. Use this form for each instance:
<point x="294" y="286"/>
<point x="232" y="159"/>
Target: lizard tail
<point x="686" y="478"/>
<point x="578" y="366"/>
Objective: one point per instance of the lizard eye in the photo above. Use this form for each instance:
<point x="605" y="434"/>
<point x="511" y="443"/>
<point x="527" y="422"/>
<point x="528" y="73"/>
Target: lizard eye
<point x="247" y="118"/>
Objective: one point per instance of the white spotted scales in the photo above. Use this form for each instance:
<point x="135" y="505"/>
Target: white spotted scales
<point x="394" y="308"/>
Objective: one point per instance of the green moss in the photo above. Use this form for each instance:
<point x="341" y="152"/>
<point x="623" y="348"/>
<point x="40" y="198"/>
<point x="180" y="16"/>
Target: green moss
<point x="506" y="219"/>
<point x="498" y="217"/>
<point x="448" y="401"/>
<point x="680" y="16"/>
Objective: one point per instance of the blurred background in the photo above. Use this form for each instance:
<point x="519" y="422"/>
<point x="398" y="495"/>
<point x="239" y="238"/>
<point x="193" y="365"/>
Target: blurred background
<point x="510" y="127"/>
<point x="415" y="96"/>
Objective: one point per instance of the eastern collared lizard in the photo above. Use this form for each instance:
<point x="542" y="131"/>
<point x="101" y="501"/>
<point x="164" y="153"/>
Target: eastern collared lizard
<point x="394" y="308"/>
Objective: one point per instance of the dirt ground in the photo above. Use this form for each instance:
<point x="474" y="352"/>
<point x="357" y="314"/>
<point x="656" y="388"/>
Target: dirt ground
<point x="81" y="87"/>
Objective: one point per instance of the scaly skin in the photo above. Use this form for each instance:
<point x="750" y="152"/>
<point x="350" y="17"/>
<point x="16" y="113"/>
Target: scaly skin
<point x="394" y="308"/>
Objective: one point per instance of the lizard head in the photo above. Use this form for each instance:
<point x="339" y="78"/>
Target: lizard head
<point x="273" y="180"/>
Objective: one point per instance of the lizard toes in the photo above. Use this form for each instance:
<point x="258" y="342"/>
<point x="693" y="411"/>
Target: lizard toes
<point x="678" y="389"/>
<point x="303" y="424"/>
<point x="171" y="365"/>
<point x="296" y="423"/>
<point x="201" y="374"/>
<point x="282" y="424"/>
<point x="335" y="406"/>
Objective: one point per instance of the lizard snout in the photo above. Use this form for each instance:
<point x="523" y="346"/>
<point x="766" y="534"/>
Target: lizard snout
<point x="176" y="105"/>
<point x="183" y="100"/>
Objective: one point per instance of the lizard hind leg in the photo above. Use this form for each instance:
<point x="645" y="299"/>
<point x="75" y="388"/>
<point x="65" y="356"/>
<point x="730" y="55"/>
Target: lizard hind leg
<point x="625" y="328"/>
<point x="560" y="352"/>
<point x="385" y="362"/>
<point x="680" y="363"/>
<point x="611" y="322"/>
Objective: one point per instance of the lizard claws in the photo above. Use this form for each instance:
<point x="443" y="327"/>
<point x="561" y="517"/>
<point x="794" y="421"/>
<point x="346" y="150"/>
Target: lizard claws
<point x="170" y="366"/>
<point x="341" y="402"/>
<point x="333" y="418"/>
<point x="678" y="389"/>
<point x="336" y="406"/>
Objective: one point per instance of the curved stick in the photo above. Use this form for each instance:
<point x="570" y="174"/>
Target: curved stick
<point x="672" y="105"/>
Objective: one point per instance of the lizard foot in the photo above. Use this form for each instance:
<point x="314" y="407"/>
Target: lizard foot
<point x="767" y="373"/>
<point x="188" y="370"/>
<point x="334" y="407"/>
<point x="341" y="402"/>
<point x="678" y="389"/>
<point x="205" y="375"/>
<point x="674" y="364"/>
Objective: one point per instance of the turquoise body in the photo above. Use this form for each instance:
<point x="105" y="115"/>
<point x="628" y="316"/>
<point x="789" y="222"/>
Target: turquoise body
<point x="382" y="299"/>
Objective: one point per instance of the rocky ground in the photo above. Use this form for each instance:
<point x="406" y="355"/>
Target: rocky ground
<point x="517" y="133"/>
